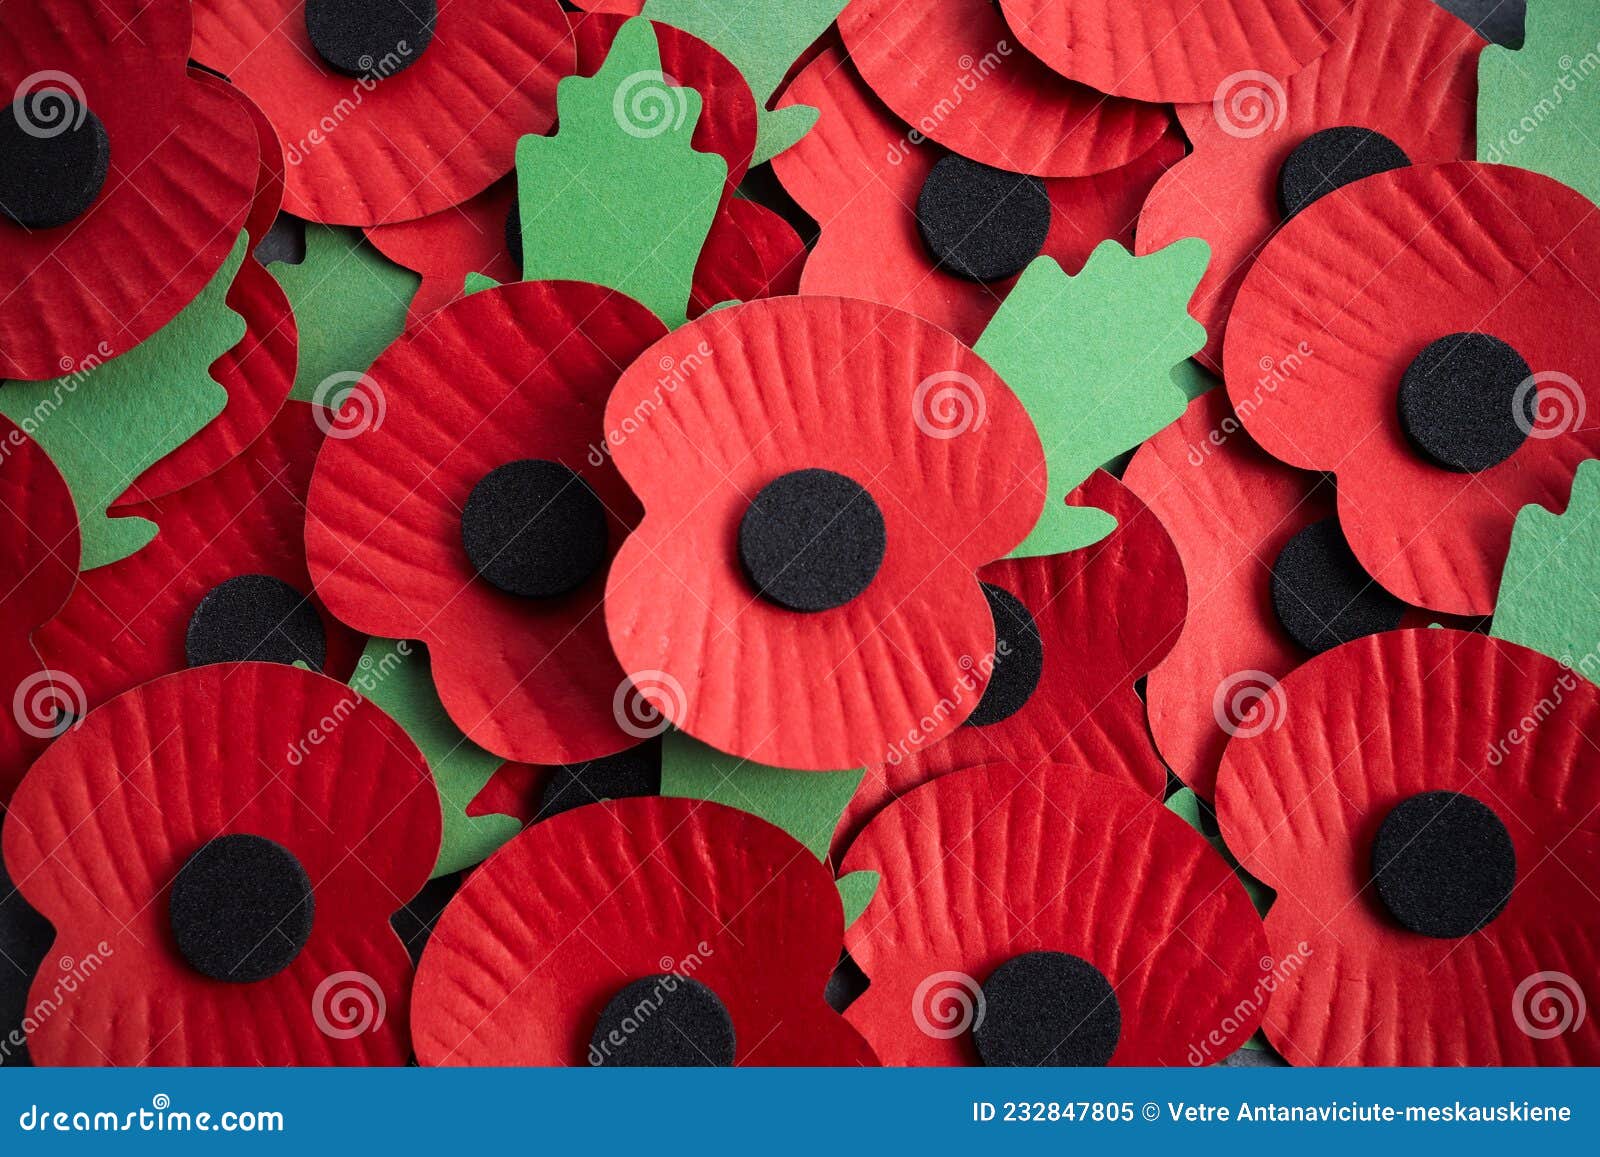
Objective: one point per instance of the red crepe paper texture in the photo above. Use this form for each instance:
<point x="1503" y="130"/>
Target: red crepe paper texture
<point x="734" y="903"/>
<point x="1176" y="50"/>
<point x="113" y="810"/>
<point x="858" y="174"/>
<point x="1405" y="68"/>
<point x="953" y="71"/>
<point x="419" y="134"/>
<point x="39" y="541"/>
<point x="182" y="174"/>
<point x="126" y="623"/>
<point x="750" y="253"/>
<point x="998" y="860"/>
<point x="1363" y="727"/>
<point x="789" y="384"/>
<point x="1327" y="322"/>
<point x="519" y="371"/>
<point x="1107" y="614"/>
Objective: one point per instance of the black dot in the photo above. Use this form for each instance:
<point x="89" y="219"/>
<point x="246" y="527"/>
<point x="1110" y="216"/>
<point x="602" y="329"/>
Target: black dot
<point x="370" y="37"/>
<point x="980" y="223"/>
<point x="1444" y="864"/>
<point x="255" y="617"/>
<point x="635" y="772"/>
<point x="1321" y="594"/>
<point x="1018" y="659"/>
<point x="1464" y="404"/>
<point x="534" y="528"/>
<point x="663" y="1020"/>
<point x="241" y="909"/>
<point x="812" y="540"/>
<point x="54" y="155"/>
<point x="1331" y="159"/>
<point x="1048" y="1008"/>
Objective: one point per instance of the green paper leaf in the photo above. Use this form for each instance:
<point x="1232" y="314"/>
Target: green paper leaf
<point x="1186" y="806"/>
<point x="856" y="889"/>
<point x="1549" y="599"/>
<point x="763" y="39"/>
<point x="396" y="675"/>
<point x="109" y="421"/>
<point x="1539" y="107"/>
<point x="350" y="302"/>
<point x="477" y="283"/>
<point x="806" y="804"/>
<point x="1092" y="357"/>
<point x="618" y="196"/>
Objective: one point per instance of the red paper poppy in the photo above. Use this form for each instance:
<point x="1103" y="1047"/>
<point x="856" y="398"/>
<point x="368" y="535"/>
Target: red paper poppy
<point x="1406" y="69"/>
<point x="750" y="253"/>
<point x="1000" y="862"/>
<point x="731" y="904"/>
<point x="176" y="191"/>
<point x="952" y="71"/>
<point x="128" y="623"/>
<point x="1105" y="615"/>
<point x="859" y="174"/>
<point x="778" y="389"/>
<point x="113" y="812"/>
<point x="516" y="373"/>
<point x="39" y="540"/>
<point x="422" y="128"/>
<point x="1365" y="729"/>
<point x="1346" y="315"/>
<point x="1175" y="50"/>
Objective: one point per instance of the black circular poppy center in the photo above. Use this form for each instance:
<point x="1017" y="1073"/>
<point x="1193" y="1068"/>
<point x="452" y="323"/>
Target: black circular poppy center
<point x="981" y="223"/>
<point x="1443" y="864"/>
<point x="635" y="772"/>
<point x="54" y="156"/>
<point x="1018" y="659"/>
<point x="1322" y="595"/>
<point x="255" y="617"/>
<point x="241" y="909"/>
<point x="534" y="528"/>
<point x="1329" y="160"/>
<point x="370" y="38"/>
<point x="1048" y="1008"/>
<point x="1464" y="402"/>
<point x="812" y="540"/>
<point x="663" y="1020"/>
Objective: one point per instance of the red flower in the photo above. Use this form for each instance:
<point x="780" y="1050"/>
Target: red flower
<point x="229" y="871"/>
<point x="1420" y="785"/>
<point x="860" y="175"/>
<point x="1406" y="69"/>
<point x="742" y="932"/>
<point x="520" y="373"/>
<point x="1051" y="916"/>
<point x="387" y="128"/>
<point x="801" y="591"/>
<point x="101" y="265"/>
<point x="1097" y="620"/>
<point x="1444" y="403"/>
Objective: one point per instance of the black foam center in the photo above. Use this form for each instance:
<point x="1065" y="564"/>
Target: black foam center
<point x="1018" y="659"/>
<point x="812" y="540"/>
<point x="241" y="909"/>
<point x="255" y="617"/>
<point x="1048" y="1008"/>
<point x="1462" y="402"/>
<point x="534" y="528"/>
<point x="1443" y="864"/>
<point x="514" y="233"/>
<point x="370" y="37"/>
<point x="1321" y="594"/>
<point x="981" y="223"/>
<point x="634" y="772"/>
<point x="1333" y="158"/>
<point x="54" y="155"/>
<point x="664" y="1020"/>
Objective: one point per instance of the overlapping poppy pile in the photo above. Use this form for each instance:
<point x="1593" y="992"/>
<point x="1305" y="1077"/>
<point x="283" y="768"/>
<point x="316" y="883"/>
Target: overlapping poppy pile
<point x="916" y="532"/>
